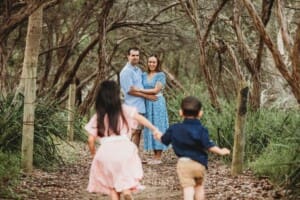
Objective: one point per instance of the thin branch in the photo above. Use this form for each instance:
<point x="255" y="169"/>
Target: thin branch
<point x="237" y="67"/>
<point x="287" y="41"/>
<point x="75" y="67"/>
<point x="184" y="4"/>
<point x="243" y="46"/>
<point x="281" y="66"/>
<point x="162" y="10"/>
<point x="53" y="49"/>
<point x="296" y="57"/>
<point x="213" y="19"/>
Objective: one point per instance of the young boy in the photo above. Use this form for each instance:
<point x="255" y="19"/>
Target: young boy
<point x="190" y="141"/>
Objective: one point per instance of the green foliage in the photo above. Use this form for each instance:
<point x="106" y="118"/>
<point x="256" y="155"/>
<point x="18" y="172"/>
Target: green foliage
<point x="272" y="135"/>
<point x="79" y="134"/>
<point x="9" y="173"/>
<point x="10" y="125"/>
<point x="266" y="125"/>
<point x="50" y="129"/>
<point x="173" y="105"/>
<point x="280" y="158"/>
<point x="220" y="125"/>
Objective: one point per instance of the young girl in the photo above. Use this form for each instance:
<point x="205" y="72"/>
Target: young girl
<point x="116" y="167"/>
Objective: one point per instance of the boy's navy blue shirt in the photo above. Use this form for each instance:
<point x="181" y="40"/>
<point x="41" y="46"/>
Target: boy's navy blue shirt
<point x="189" y="139"/>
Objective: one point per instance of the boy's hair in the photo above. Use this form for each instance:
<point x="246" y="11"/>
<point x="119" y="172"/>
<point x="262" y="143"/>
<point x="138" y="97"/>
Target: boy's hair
<point x="190" y="106"/>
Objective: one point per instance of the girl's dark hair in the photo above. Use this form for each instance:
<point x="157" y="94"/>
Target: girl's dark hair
<point x="190" y="106"/>
<point x="108" y="103"/>
<point x="158" y="68"/>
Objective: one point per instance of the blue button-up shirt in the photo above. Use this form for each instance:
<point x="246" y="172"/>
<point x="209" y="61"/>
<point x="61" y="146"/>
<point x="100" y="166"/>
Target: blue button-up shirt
<point x="132" y="76"/>
<point x="189" y="139"/>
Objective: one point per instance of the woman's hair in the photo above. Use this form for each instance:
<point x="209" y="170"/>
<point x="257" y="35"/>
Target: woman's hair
<point x="158" y="68"/>
<point x="190" y="106"/>
<point x="109" y="107"/>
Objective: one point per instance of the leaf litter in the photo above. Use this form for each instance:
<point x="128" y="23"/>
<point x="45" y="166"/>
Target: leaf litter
<point x="69" y="182"/>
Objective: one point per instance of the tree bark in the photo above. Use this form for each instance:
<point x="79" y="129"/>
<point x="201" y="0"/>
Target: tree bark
<point x="296" y="55"/>
<point x="71" y="111"/>
<point x="3" y="71"/>
<point x="239" y="135"/>
<point x="13" y="20"/>
<point x="70" y="74"/>
<point x="190" y="8"/>
<point x="102" y="67"/>
<point x="48" y="59"/>
<point x="287" y="41"/>
<point x="278" y="59"/>
<point x="34" y="33"/>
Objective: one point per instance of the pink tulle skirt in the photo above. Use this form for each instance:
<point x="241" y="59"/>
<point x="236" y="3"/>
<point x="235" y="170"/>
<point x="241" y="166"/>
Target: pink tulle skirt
<point x="116" y="165"/>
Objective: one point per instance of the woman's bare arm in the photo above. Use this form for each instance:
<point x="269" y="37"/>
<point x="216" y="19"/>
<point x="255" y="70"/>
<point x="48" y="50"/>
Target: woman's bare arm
<point x="158" y="87"/>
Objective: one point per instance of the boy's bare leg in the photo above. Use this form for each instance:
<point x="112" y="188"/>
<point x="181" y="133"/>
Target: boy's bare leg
<point x="188" y="193"/>
<point x="199" y="192"/>
<point x="136" y="137"/>
<point x="114" y="195"/>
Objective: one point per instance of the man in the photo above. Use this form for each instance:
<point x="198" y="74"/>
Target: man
<point x="131" y="76"/>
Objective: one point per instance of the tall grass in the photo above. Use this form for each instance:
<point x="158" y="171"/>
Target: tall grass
<point x="49" y="132"/>
<point x="9" y="174"/>
<point x="276" y="137"/>
<point x="220" y="125"/>
<point x="49" y="129"/>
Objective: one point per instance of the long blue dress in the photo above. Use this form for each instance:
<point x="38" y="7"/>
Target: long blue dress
<point x="156" y="112"/>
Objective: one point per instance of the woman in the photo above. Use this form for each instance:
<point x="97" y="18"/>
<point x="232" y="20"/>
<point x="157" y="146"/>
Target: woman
<point x="154" y="81"/>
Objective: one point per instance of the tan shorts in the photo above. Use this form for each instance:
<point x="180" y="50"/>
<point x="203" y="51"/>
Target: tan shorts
<point x="190" y="172"/>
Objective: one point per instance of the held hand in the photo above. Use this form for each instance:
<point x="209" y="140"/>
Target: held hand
<point x="157" y="134"/>
<point x="225" y="151"/>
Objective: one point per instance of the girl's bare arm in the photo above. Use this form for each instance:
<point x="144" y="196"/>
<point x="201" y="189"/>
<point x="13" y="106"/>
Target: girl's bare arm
<point x="91" y="144"/>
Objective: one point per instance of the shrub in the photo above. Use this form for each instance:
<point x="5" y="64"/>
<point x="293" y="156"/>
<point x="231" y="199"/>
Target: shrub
<point x="9" y="173"/>
<point x="280" y="160"/>
<point x="50" y="128"/>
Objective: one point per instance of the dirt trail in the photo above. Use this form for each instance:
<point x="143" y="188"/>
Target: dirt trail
<point x="69" y="182"/>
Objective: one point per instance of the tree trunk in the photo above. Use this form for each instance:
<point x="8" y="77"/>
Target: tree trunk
<point x="71" y="111"/>
<point x="48" y="59"/>
<point x="102" y="67"/>
<point x="207" y="75"/>
<point x="3" y="72"/>
<point x="191" y="8"/>
<point x="239" y="136"/>
<point x="278" y="59"/>
<point x="296" y="55"/>
<point x="71" y="73"/>
<point x="34" y="33"/>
